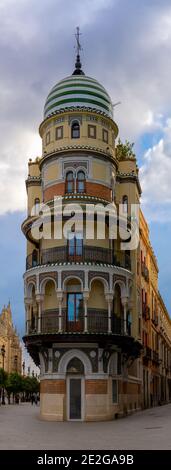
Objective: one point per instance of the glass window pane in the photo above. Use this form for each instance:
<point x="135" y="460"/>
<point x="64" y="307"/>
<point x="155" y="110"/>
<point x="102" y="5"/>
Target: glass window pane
<point x="81" y="175"/>
<point x="69" y="187"/>
<point x="80" y="186"/>
<point x="79" y="246"/>
<point x="71" y="307"/>
<point x="114" y="391"/>
<point x="70" y="176"/>
<point x="71" y="246"/>
<point x="75" y="131"/>
<point x="79" y="305"/>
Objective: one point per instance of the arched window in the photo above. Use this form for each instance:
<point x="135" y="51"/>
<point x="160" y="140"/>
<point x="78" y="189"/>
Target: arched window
<point x="75" y="247"/>
<point x="81" y="182"/>
<point x="69" y="182"/>
<point x="129" y="322"/>
<point x="125" y="203"/>
<point x="75" y="311"/>
<point x="37" y="205"/>
<point x="75" y="366"/>
<point x="75" y="130"/>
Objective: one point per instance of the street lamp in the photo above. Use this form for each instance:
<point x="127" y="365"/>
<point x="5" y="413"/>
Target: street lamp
<point x="3" y="359"/>
<point x="15" y="362"/>
<point x="23" y="366"/>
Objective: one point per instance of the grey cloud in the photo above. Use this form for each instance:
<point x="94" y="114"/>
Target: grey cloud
<point x="123" y="48"/>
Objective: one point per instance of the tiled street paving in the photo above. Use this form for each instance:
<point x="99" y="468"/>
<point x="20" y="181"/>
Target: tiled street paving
<point x="22" y="428"/>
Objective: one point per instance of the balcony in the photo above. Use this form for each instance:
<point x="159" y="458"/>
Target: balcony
<point x="97" y="322"/>
<point x="145" y="311"/>
<point x="147" y="353"/>
<point x="155" y="320"/>
<point x="90" y="254"/>
<point x="155" y="357"/>
<point x="145" y="271"/>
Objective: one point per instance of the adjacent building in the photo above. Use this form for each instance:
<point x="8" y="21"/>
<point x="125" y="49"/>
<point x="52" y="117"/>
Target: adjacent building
<point x="10" y="349"/>
<point x="90" y="306"/>
<point x="156" y="327"/>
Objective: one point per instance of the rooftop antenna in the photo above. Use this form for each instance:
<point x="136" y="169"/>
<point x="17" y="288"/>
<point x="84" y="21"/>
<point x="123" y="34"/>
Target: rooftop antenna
<point x="78" y="70"/>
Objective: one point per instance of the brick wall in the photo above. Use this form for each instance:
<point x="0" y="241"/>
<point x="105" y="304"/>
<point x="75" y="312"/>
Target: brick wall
<point x="55" y="190"/>
<point x="53" y="386"/>
<point x="99" y="190"/>
<point x="95" y="387"/>
<point x="92" y="189"/>
<point x="130" y="388"/>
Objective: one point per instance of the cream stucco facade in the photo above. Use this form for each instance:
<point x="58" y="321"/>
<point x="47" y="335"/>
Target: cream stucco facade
<point x="83" y="299"/>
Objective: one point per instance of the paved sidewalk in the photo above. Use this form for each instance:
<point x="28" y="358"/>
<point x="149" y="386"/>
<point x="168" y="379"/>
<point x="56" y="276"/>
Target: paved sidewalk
<point x="21" y="428"/>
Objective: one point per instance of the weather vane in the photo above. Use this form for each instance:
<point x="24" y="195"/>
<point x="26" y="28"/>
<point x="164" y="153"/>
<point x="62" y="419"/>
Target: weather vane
<point x="116" y="104"/>
<point x="78" y="47"/>
<point x="77" y="35"/>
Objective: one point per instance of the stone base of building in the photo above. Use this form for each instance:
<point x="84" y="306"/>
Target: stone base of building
<point x="94" y="401"/>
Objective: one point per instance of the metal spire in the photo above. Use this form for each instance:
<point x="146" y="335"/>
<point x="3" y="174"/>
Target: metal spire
<point x="78" y="70"/>
<point x="77" y="35"/>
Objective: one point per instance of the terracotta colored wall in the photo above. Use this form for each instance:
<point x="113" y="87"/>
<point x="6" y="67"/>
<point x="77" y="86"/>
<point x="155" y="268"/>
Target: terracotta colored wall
<point x="92" y="189"/>
<point x="95" y="387"/>
<point x="52" y="386"/>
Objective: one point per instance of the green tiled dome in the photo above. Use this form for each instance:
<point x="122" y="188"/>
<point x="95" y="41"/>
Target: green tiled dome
<point x="78" y="91"/>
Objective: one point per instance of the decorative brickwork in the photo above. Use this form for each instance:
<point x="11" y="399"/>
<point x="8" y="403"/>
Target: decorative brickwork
<point x="52" y="275"/>
<point x="98" y="190"/>
<point x="53" y="386"/>
<point x="94" y="274"/>
<point x="74" y="274"/>
<point x="98" y="387"/>
<point x="55" y="190"/>
<point x="59" y="352"/>
<point x="118" y="278"/>
<point x="75" y="165"/>
<point x="31" y="279"/>
<point x="131" y="388"/>
<point x="92" y="189"/>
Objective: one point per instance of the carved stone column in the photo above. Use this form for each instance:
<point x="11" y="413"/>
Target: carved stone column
<point x="39" y="300"/>
<point x="85" y="297"/>
<point x="60" y="299"/>
<point x="28" y="302"/>
<point x="109" y="299"/>
<point x="124" y="301"/>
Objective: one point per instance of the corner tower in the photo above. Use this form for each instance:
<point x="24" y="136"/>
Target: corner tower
<point x="78" y="291"/>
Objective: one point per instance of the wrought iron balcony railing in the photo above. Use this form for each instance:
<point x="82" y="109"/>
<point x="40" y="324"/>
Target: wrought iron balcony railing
<point x="90" y="254"/>
<point x="155" y="357"/>
<point x="145" y="311"/>
<point x="147" y="352"/>
<point x="97" y="322"/>
<point x="145" y="271"/>
<point x="155" y="319"/>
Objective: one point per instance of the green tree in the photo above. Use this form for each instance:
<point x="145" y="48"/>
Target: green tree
<point x="30" y="386"/>
<point x="3" y="380"/>
<point x="9" y="389"/>
<point x="14" y="385"/>
<point x="124" y="151"/>
<point x="3" y="377"/>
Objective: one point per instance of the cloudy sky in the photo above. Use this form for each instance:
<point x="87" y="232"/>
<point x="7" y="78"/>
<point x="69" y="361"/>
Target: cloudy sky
<point x="127" y="47"/>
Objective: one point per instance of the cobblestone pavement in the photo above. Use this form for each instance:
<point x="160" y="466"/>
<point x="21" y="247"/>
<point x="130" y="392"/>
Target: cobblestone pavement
<point x="22" y="428"/>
